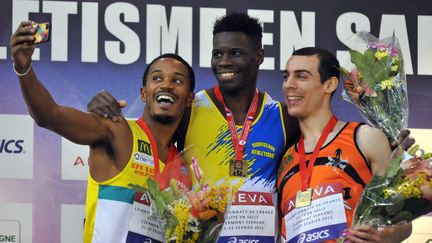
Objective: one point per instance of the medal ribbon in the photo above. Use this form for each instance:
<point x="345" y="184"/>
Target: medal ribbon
<point x="306" y="173"/>
<point x="238" y="144"/>
<point x="153" y="145"/>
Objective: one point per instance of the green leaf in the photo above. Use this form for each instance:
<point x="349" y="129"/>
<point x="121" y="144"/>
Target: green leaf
<point x="402" y="216"/>
<point x="367" y="73"/>
<point x="369" y="57"/>
<point x="356" y="57"/>
<point x="167" y="197"/>
<point x="394" y="168"/>
<point x="137" y="188"/>
<point x="160" y="205"/>
<point x="152" y="186"/>
<point x="378" y="72"/>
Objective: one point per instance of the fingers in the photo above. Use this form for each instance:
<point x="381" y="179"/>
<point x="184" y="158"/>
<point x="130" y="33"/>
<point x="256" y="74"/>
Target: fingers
<point x="405" y="140"/>
<point x="112" y="106"/>
<point x="362" y="234"/>
<point x="405" y="133"/>
<point x="23" y="34"/>
<point x="122" y="103"/>
<point x="22" y="46"/>
<point x="105" y="105"/>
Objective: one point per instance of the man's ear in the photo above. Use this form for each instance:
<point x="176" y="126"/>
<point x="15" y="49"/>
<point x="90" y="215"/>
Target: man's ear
<point x="143" y="94"/>
<point x="331" y="85"/>
<point x="190" y="99"/>
<point x="260" y="56"/>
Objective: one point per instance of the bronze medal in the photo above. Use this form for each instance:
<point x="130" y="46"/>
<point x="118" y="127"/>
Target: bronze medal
<point x="238" y="168"/>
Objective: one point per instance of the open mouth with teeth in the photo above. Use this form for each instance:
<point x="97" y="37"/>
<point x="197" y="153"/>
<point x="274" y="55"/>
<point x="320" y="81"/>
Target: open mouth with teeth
<point x="227" y="74"/>
<point x="294" y="98"/>
<point x="164" y="98"/>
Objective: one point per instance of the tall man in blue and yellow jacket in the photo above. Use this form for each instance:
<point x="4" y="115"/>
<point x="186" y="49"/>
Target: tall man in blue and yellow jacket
<point x="121" y="153"/>
<point x="237" y="131"/>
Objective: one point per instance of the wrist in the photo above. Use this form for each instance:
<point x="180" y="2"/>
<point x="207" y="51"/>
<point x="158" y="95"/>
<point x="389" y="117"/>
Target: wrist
<point x="21" y="73"/>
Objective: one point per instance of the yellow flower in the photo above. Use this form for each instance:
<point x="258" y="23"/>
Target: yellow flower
<point x="381" y="54"/>
<point x="181" y="211"/>
<point x="387" y="84"/>
<point x="394" y="68"/>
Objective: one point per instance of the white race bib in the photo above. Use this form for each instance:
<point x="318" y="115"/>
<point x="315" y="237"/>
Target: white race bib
<point x="250" y="218"/>
<point x="144" y="226"/>
<point x="323" y="220"/>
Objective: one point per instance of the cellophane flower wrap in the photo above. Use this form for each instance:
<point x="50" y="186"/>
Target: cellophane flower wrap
<point x="398" y="192"/>
<point x="401" y="190"/>
<point x="377" y="84"/>
<point x="191" y="216"/>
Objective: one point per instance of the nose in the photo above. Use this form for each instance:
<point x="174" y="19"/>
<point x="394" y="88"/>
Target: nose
<point x="224" y="60"/>
<point x="289" y="83"/>
<point x="167" y="83"/>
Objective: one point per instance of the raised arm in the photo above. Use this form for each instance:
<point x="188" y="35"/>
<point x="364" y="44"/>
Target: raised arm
<point x="77" y="126"/>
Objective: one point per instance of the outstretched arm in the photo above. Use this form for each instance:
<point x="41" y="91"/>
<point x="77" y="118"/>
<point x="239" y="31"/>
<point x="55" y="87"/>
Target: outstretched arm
<point x="77" y="126"/>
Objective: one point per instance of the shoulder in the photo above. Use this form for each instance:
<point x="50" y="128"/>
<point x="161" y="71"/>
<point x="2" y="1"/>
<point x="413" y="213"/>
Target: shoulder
<point x="367" y="133"/>
<point x="374" y="145"/>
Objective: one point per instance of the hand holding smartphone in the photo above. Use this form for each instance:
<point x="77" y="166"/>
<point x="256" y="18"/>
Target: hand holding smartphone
<point x="42" y="33"/>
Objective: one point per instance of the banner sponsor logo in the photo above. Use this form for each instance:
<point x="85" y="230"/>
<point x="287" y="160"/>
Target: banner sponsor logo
<point x="16" y="222"/>
<point x="16" y="146"/>
<point x="9" y="231"/>
<point x="11" y="146"/>
<point x="74" y="164"/>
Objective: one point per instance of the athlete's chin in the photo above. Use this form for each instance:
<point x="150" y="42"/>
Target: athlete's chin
<point x="165" y="119"/>
<point x="229" y="86"/>
<point x="295" y="112"/>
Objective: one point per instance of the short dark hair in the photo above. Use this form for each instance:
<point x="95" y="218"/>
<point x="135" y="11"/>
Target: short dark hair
<point x="239" y="22"/>
<point x="328" y="65"/>
<point x="191" y="73"/>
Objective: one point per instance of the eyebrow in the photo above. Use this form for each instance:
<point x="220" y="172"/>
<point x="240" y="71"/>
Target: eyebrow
<point x="176" y="73"/>
<point x="297" y="71"/>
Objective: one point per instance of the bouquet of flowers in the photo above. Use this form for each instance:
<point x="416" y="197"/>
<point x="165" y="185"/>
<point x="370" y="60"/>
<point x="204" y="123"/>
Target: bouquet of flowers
<point x="399" y="192"/>
<point x="377" y="84"/>
<point x="402" y="188"/>
<point x="193" y="216"/>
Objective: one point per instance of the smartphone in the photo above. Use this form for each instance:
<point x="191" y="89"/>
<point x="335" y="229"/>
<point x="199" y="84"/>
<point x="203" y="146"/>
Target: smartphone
<point x="42" y="33"/>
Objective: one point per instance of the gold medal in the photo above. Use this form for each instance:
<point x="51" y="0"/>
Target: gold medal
<point x="238" y="168"/>
<point x="303" y="198"/>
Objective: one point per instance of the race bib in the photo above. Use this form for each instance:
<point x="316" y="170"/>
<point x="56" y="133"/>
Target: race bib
<point x="144" y="226"/>
<point x="250" y="218"/>
<point x="323" y="220"/>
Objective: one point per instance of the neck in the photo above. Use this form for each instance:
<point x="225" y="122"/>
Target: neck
<point x="312" y="126"/>
<point x="162" y="133"/>
<point x="239" y="103"/>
